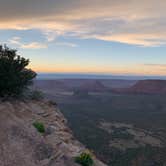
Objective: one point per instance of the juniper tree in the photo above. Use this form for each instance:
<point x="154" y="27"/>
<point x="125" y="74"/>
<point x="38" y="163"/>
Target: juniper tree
<point x="14" y="76"/>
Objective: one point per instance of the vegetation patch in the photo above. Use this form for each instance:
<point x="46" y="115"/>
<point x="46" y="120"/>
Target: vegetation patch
<point x="84" y="159"/>
<point x="36" y="95"/>
<point x="15" y="77"/>
<point x="39" y="126"/>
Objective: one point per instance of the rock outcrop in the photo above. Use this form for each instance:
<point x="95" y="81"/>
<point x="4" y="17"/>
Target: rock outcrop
<point x="93" y="86"/>
<point x="145" y="87"/>
<point x="22" y="145"/>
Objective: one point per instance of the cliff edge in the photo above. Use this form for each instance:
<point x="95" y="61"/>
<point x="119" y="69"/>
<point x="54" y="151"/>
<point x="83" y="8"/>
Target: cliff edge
<point x="22" y="145"/>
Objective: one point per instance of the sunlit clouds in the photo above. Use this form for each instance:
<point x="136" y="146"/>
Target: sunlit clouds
<point x="16" y="41"/>
<point x="135" y="22"/>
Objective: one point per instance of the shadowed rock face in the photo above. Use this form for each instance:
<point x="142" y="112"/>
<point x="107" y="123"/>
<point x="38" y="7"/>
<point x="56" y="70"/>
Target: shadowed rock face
<point x="146" y="87"/>
<point x="22" y="145"/>
<point x="93" y="86"/>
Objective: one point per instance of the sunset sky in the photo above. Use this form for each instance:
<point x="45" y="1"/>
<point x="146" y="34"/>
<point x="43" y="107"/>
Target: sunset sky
<point x="88" y="36"/>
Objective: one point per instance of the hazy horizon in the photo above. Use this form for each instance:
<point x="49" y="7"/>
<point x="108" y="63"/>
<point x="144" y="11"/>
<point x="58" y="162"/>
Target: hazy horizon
<point x="95" y="76"/>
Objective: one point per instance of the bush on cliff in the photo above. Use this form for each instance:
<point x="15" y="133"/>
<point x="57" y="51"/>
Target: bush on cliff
<point x="14" y="76"/>
<point x="39" y="126"/>
<point x="84" y="159"/>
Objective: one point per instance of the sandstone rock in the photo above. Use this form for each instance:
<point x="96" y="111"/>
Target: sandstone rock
<point x="22" y="145"/>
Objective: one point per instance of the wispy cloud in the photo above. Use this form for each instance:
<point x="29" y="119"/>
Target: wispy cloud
<point x="15" y="40"/>
<point x="132" y="22"/>
<point x="51" y="35"/>
<point x="34" y="45"/>
<point x="155" y="65"/>
<point x="66" y="44"/>
<point x="31" y="45"/>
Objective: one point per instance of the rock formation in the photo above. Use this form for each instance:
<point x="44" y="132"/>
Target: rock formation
<point x="22" y="145"/>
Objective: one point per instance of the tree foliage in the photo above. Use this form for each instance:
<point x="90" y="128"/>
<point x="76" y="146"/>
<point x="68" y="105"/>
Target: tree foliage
<point x="14" y="76"/>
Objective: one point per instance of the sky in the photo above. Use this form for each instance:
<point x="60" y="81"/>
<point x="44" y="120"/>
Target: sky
<point x="126" y="37"/>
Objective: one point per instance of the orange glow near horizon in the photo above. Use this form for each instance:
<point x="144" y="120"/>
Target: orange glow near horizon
<point x="126" y="70"/>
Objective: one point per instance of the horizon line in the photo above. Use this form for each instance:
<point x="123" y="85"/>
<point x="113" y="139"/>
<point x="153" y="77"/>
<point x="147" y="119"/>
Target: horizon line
<point x="100" y="74"/>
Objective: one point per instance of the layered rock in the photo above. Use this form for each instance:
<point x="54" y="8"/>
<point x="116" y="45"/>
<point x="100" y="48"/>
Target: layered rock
<point x="145" y="87"/>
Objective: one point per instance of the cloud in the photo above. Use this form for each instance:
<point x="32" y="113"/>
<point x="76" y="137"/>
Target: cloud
<point x="15" y="40"/>
<point x="32" y="45"/>
<point x="156" y="65"/>
<point x="133" y="22"/>
<point x="51" y="35"/>
<point x="66" y="44"/>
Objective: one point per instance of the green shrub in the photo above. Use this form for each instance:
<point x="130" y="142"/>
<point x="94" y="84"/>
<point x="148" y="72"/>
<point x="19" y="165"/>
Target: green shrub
<point x="39" y="126"/>
<point x="14" y="76"/>
<point x="84" y="159"/>
<point x="36" y="95"/>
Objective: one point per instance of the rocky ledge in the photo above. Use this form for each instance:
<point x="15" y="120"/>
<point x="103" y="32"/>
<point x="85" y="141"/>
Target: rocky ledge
<point x="22" y="145"/>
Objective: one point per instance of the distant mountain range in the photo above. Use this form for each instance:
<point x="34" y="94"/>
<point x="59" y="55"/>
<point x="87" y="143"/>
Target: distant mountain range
<point x="92" y="85"/>
<point x="52" y="76"/>
<point x="149" y="86"/>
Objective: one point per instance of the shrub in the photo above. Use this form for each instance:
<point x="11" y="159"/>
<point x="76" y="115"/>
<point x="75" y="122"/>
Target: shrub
<point x="39" y="126"/>
<point x="51" y="102"/>
<point x="36" y="95"/>
<point x="14" y="76"/>
<point x="84" y="159"/>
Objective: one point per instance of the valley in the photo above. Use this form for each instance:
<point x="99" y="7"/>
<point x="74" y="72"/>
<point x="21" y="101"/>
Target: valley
<point x="120" y="128"/>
